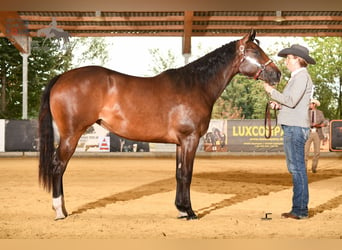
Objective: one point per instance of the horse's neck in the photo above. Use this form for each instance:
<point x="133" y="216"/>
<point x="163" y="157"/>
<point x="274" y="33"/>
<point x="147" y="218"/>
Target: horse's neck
<point x="222" y="79"/>
<point x="226" y="80"/>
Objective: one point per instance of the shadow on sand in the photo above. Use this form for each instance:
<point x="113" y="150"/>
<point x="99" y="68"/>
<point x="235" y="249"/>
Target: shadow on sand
<point x="244" y="186"/>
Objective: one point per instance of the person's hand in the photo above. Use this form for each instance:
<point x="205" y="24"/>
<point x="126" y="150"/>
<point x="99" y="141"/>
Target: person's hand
<point x="268" y="88"/>
<point x="316" y="125"/>
<point x="275" y="105"/>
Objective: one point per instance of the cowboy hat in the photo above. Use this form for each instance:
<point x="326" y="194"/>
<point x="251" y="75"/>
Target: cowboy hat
<point x="315" y="102"/>
<point x="298" y="50"/>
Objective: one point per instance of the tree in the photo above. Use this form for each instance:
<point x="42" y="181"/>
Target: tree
<point x="45" y="61"/>
<point x="89" y="50"/>
<point x="225" y="110"/>
<point x="241" y="100"/>
<point x="10" y="61"/>
<point x="327" y="74"/>
<point x="161" y="62"/>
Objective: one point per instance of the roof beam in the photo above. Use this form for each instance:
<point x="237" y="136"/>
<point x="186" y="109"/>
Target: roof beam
<point x="102" y="18"/>
<point x="188" y="16"/>
<point x="208" y="34"/>
<point x="267" y="18"/>
<point x="119" y="33"/>
<point x="176" y="18"/>
<point x="267" y="27"/>
<point x="188" y="28"/>
<point x="182" y="23"/>
<point x="150" y="5"/>
<point x="277" y="34"/>
<point x="13" y="27"/>
<point x="131" y="27"/>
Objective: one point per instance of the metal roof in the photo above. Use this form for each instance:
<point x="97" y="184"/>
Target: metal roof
<point x="185" y="24"/>
<point x="198" y="23"/>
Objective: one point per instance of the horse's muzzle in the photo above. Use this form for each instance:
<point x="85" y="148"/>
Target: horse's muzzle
<point x="274" y="77"/>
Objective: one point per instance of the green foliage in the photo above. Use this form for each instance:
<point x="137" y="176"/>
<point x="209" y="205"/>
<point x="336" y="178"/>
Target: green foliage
<point x="46" y="60"/>
<point x="10" y="73"/>
<point x="162" y="62"/>
<point x="93" y="50"/>
<point x="244" y="95"/>
<point x="327" y="74"/>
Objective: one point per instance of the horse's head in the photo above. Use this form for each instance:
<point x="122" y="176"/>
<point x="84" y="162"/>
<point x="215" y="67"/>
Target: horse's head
<point x="254" y="62"/>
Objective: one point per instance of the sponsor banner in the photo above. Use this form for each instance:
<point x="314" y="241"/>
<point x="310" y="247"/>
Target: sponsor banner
<point x="215" y="140"/>
<point x="336" y="135"/>
<point x="249" y="136"/>
<point x="2" y="135"/>
<point x="222" y="136"/>
<point x="21" y="135"/>
<point x="104" y="144"/>
<point x="98" y="139"/>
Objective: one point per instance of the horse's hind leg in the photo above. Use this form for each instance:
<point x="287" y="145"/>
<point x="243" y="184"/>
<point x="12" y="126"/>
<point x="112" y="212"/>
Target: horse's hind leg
<point x="63" y="154"/>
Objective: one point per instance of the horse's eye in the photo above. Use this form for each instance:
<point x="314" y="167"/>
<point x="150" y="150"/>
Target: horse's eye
<point x="255" y="52"/>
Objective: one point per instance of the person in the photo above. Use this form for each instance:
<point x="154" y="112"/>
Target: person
<point x="220" y="138"/>
<point x="293" y="104"/>
<point x="317" y="121"/>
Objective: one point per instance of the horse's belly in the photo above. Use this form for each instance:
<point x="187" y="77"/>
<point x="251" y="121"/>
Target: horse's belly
<point x="137" y="126"/>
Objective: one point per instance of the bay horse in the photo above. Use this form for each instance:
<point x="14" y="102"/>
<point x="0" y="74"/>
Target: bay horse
<point x="172" y="107"/>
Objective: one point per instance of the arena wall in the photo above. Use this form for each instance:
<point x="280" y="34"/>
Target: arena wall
<point x="222" y="136"/>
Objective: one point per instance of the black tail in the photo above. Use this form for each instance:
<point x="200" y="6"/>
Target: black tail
<point x="46" y="138"/>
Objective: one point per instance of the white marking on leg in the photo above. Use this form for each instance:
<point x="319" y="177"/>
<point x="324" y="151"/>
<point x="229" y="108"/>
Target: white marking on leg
<point x="179" y="165"/>
<point x="57" y="204"/>
<point x="182" y="214"/>
<point x="55" y="133"/>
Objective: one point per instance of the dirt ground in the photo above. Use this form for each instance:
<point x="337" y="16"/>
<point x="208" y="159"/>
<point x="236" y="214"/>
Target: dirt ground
<point x="133" y="198"/>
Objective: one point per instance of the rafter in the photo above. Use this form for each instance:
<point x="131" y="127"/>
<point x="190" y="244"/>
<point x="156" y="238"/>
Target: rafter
<point x="176" y="18"/>
<point x="185" y="23"/>
<point x="13" y="27"/>
<point x="188" y="16"/>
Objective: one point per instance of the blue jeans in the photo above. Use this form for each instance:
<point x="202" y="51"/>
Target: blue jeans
<point x="294" y="147"/>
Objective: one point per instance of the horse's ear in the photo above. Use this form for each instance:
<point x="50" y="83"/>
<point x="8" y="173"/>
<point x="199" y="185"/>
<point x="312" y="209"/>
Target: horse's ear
<point x="252" y="35"/>
<point x="249" y="37"/>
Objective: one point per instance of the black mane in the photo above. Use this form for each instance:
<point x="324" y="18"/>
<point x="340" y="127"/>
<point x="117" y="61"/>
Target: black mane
<point x="206" y="67"/>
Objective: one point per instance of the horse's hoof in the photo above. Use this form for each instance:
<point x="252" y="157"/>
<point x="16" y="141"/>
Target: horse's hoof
<point x="192" y="217"/>
<point x="60" y="218"/>
<point x="185" y="215"/>
<point x="182" y="215"/>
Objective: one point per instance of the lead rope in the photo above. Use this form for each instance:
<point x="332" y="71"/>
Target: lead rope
<point x="268" y="121"/>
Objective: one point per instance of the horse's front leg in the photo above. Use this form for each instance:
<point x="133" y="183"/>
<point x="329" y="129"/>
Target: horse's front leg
<point x="184" y="165"/>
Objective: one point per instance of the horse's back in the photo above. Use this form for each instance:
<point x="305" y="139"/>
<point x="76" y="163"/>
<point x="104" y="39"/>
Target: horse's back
<point x="86" y="72"/>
